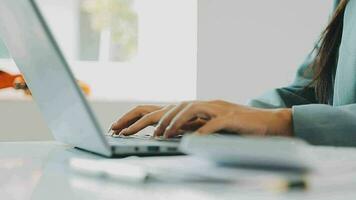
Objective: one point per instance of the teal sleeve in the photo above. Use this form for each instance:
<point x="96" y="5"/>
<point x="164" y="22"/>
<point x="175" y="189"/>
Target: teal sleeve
<point x="315" y="123"/>
<point x="325" y="125"/>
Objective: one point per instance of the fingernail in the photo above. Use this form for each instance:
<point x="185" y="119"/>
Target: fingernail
<point x="197" y="133"/>
<point x="166" y="134"/>
<point x="123" y="132"/>
<point x="157" y="131"/>
<point x="168" y="129"/>
<point x="156" y="128"/>
<point x="115" y="134"/>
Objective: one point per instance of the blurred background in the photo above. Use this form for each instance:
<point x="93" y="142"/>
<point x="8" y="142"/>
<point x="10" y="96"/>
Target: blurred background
<point x="150" y="51"/>
<point x="125" y="49"/>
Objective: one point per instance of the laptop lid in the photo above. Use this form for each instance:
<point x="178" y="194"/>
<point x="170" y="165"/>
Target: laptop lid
<point x="37" y="55"/>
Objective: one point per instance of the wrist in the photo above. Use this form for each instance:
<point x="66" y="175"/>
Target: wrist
<point x="285" y="122"/>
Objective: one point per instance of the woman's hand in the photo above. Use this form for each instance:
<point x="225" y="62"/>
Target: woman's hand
<point x="206" y="117"/>
<point x="137" y="119"/>
<point x="147" y="115"/>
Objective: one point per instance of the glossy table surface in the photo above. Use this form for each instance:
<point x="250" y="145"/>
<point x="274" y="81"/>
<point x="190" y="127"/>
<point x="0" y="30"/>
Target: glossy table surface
<point x="40" y="170"/>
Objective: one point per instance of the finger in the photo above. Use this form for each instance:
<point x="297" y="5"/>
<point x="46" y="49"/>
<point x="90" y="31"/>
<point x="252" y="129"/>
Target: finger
<point x="145" y="121"/>
<point x="211" y="126"/>
<point x="188" y="113"/>
<point x="132" y="116"/>
<point x="166" y="119"/>
<point x="119" y="126"/>
<point x="194" y="125"/>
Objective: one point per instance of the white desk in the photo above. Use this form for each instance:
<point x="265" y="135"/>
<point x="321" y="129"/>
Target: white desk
<point x="39" y="170"/>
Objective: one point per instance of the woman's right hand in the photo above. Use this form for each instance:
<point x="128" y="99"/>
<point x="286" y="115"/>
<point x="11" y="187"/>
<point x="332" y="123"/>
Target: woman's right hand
<point x="149" y="115"/>
<point x="138" y="118"/>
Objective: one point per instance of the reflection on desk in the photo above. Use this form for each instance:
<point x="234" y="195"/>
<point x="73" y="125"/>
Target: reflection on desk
<point x="33" y="170"/>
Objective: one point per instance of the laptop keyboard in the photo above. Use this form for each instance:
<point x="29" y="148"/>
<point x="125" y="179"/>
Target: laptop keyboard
<point x="147" y="137"/>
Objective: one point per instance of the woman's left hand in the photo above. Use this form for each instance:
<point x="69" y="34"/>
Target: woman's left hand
<point x="225" y="116"/>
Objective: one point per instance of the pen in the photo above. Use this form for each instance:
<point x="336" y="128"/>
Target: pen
<point x="288" y="185"/>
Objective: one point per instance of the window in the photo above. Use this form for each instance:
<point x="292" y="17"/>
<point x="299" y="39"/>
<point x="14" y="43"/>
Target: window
<point x="108" y="30"/>
<point x="127" y="49"/>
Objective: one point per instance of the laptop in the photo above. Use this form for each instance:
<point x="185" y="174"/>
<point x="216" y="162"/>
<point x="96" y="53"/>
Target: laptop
<point x="53" y="86"/>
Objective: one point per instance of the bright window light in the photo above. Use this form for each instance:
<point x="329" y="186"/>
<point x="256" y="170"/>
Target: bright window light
<point x="128" y="49"/>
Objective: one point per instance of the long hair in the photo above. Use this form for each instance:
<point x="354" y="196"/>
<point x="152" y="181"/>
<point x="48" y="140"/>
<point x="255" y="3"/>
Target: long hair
<point x="327" y="50"/>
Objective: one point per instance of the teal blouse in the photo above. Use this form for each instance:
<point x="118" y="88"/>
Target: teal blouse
<point x="317" y="123"/>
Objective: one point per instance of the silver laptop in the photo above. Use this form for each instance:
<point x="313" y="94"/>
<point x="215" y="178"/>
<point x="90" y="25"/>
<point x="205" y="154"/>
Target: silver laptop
<point x="64" y="107"/>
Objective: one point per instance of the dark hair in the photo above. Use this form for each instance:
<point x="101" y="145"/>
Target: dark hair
<point x="327" y="50"/>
